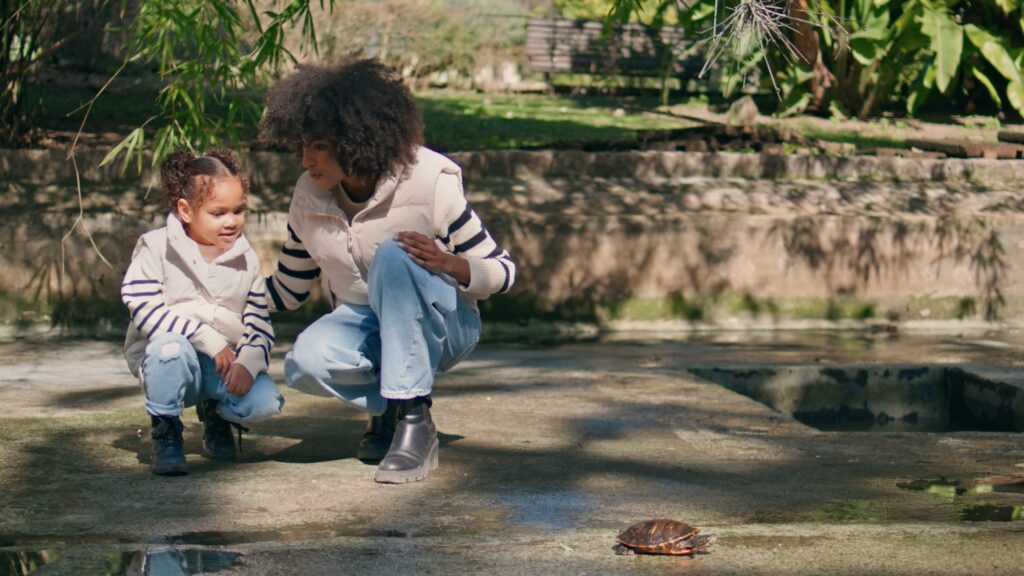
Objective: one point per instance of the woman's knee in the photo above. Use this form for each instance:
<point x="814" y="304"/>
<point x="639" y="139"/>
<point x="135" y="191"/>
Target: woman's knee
<point x="307" y="354"/>
<point x="388" y="255"/>
<point x="320" y="353"/>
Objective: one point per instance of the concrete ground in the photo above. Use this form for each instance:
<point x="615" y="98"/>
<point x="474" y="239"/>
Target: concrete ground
<point x="547" y="453"/>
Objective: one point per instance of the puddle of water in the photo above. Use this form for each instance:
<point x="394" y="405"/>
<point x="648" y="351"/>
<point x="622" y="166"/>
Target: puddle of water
<point x="941" y="487"/>
<point x="984" y="485"/>
<point x="156" y="561"/>
<point x="991" y="513"/>
<point x="880" y="398"/>
<point x="560" y="509"/>
<point x="169" y="561"/>
<point x="953" y="491"/>
<point x="26" y="562"/>
<point x="218" y="538"/>
<point x="299" y="533"/>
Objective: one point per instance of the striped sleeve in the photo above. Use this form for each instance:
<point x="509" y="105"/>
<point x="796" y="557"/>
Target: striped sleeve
<point x="142" y="291"/>
<point x="253" y="351"/>
<point x="289" y="285"/>
<point x="491" y="269"/>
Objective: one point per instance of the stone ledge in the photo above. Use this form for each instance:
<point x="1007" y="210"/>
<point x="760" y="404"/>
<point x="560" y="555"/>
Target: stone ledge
<point x="49" y="166"/>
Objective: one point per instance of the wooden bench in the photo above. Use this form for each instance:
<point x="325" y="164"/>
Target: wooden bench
<point x="580" y="47"/>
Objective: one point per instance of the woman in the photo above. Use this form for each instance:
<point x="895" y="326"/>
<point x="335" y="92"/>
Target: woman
<point x="382" y="221"/>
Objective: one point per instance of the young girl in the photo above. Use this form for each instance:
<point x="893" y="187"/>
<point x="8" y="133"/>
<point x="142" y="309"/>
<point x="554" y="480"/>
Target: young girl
<point x="401" y="255"/>
<point x="200" y="332"/>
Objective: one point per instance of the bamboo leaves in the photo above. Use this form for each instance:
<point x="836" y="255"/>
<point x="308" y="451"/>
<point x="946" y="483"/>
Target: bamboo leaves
<point x="208" y="70"/>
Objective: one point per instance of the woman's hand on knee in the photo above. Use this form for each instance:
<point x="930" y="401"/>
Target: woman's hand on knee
<point x="425" y="252"/>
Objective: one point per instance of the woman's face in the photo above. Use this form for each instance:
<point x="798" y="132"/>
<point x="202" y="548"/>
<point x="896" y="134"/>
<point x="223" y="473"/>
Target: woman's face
<point x="318" y="159"/>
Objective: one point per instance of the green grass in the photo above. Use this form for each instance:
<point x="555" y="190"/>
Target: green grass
<point x="454" y="121"/>
<point x="458" y="121"/>
<point x="469" y="121"/>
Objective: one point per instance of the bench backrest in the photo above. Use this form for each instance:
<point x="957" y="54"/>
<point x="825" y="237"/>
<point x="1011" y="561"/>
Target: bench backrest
<point x="580" y="47"/>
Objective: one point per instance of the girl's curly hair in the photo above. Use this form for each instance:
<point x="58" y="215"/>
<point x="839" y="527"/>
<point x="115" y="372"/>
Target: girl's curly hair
<point x="184" y="175"/>
<point x="361" y="107"/>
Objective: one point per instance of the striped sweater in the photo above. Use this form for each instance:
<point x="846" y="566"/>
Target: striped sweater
<point x="170" y="288"/>
<point x="427" y="197"/>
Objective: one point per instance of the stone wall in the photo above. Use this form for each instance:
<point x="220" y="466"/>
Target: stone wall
<point x="709" y="239"/>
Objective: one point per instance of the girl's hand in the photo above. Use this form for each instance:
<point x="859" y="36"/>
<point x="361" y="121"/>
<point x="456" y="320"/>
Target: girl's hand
<point x="223" y="361"/>
<point x="238" y="380"/>
<point x="425" y="252"/>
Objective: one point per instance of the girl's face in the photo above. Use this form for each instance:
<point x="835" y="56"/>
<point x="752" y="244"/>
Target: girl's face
<point x="219" y="220"/>
<point x="318" y="159"/>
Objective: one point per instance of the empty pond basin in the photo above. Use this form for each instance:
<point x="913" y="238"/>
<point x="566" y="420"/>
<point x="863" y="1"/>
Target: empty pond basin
<point x="880" y="398"/>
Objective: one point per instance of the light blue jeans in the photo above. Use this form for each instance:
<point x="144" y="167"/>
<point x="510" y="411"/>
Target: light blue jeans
<point x="416" y="325"/>
<point x="175" y="376"/>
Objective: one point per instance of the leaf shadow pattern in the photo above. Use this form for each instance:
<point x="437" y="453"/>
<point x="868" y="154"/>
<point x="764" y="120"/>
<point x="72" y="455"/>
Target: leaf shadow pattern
<point x="978" y="243"/>
<point x="851" y="253"/>
<point x="67" y="278"/>
<point x="590" y="268"/>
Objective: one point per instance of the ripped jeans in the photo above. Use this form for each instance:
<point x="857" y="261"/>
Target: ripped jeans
<point x="416" y="325"/>
<point x="175" y="376"/>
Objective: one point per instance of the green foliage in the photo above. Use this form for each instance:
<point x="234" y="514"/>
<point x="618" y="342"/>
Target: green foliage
<point x="905" y="52"/>
<point x="31" y="31"/>
<point x="882" y="52"/>
<point x="582" y="9"/>
<point x="998" y="55"/>
<point x="202" y="58"/>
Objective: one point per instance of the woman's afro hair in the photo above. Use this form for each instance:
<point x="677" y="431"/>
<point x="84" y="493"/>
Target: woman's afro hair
<point x="184" y="175"/>
<point x="361" y="107"/>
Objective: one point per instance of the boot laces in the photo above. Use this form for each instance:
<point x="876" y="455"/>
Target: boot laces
<point x="217" y="426"/>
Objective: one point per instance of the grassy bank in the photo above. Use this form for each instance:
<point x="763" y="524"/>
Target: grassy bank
<point x="455" y="121"/>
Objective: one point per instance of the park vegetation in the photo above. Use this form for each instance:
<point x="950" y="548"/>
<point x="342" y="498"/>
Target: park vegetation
<point x="211" y="58"/>
<point x="857" y="57"/>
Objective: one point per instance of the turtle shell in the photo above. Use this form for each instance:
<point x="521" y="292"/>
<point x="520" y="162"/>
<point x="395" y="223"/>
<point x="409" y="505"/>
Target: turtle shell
<point x="661" y="536"/>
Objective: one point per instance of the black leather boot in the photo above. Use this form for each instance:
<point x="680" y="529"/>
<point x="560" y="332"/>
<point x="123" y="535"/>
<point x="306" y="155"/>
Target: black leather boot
<point x="377" y="438"/>
<point x="413" y="451"/>
<point x="217" y="440"/>
<point x="168" y="453"/>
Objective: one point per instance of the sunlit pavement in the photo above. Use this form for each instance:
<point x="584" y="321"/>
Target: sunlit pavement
<point x="547" y="452"/>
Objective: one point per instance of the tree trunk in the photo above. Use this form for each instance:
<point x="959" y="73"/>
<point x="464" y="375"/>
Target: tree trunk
<point x="808" y="51"/>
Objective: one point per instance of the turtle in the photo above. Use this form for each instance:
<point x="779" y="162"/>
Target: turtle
<point x="663" y="536"/>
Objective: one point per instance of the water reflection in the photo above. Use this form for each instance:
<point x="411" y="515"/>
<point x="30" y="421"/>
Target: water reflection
<point x="991" y="513"/>
<point x="25" y="562"/>
<point x="170" y="561"/>
<point x="965" y="493"/>
<point x="153" y="561"/>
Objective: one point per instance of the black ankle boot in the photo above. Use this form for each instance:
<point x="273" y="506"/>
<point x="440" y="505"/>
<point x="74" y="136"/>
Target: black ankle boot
<point x="168" y="455"/>
<point x="377" y="438"/>
<point x="413" y="451"/>
<point x="217" y="441"/>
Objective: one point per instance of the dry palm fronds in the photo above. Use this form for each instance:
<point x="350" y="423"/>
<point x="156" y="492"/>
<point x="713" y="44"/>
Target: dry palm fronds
<point x="760" y="23"/>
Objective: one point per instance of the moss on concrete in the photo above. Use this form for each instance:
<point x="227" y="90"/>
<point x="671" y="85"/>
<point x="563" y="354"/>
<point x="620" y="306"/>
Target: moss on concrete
<point x="533" y="316"/>
<point x="20" y="311"/>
